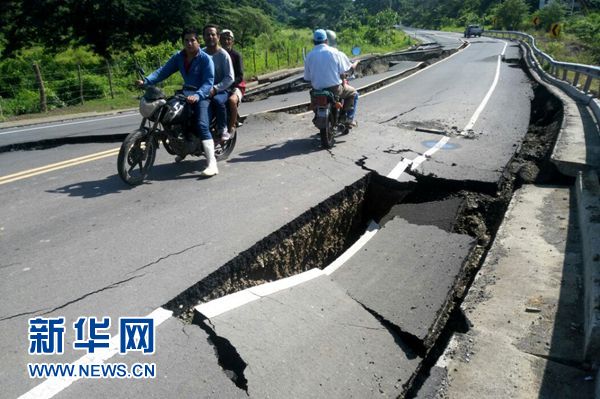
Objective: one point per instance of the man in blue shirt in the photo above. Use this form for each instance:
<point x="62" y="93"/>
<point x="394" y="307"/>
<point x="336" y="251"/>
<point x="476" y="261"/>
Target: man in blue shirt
<point x="323" y="68"/>
<point x="197" y="69"/>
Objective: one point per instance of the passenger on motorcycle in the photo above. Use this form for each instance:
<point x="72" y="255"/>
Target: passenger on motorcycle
<point x="224" y="77"/>
<point x="323" y="68"/>
<point x="197" y="70"/>
<point x="238" y="88"/>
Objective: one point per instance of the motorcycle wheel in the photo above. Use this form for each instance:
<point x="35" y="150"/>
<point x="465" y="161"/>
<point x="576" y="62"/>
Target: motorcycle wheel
<point x="224" y="150"/>
<point x="136" y="157"/>
<point x="327" y="135"/>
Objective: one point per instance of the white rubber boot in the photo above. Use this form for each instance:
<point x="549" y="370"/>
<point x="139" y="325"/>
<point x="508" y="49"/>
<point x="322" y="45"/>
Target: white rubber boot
<point x="209" y="152"/>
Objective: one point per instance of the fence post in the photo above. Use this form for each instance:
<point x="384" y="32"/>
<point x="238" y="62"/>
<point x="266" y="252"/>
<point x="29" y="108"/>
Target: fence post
<point x="267" y="59"/>
<point x="288" y="51"/>
<point x="254" y="61"/>
<point x="277" y="56"/>
<point x="80" y="82"/>
<point x="38" y="77"/>
<point x="110" y="82"/>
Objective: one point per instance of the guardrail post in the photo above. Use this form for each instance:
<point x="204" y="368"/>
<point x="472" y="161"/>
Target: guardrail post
<point x="564" y="75"/>
<point x="588" y="83"/>
<point x="576" y="79"/>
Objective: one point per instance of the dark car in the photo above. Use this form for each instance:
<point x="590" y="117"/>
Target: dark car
<point x="473" y="30"/>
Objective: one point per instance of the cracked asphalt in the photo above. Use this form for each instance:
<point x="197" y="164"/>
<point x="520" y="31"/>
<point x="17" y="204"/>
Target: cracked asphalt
<point x="73" y="238"/>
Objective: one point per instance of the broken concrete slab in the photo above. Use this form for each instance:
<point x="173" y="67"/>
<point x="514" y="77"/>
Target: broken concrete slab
<point x="441" y="214"/>
<point x="312" y="340"/>
<point x="534" y="262"/>
<point x="407" y="274"/>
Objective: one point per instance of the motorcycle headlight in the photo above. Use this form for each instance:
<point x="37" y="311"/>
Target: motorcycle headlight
<point x="147" y="108"/>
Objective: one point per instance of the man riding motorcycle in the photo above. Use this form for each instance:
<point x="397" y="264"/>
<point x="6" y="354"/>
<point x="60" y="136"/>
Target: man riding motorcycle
<point x="197" y="70"/>
<point x="323" y="68"/>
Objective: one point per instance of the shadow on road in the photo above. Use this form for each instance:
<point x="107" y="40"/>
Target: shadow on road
<point x="95" y="188"/>
<point x="114" y="185"/>
<point x="271" y="152"/>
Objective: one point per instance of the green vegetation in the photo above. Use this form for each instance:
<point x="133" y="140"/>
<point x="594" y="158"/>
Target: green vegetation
<point x="87" y="50"/>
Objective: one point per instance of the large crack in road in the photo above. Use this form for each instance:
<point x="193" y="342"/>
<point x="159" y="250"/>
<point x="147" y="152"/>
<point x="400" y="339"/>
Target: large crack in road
<point x="321" y="234"/>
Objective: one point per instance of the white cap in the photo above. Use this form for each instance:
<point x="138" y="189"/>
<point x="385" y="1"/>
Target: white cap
<point x="227" y="32"/>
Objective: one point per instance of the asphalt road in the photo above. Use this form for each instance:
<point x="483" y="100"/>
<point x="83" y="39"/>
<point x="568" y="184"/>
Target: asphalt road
<point x="78" y="242"/>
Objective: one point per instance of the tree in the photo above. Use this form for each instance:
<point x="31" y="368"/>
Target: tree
<point x="554" y="12"/>
<point x="329" y="15"/>
<point x="247" y="23"/>
<point x="511" y="13"/>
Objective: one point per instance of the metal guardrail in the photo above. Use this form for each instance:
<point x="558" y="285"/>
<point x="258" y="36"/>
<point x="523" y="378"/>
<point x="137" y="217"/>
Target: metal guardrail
<point x="555" y="68"/>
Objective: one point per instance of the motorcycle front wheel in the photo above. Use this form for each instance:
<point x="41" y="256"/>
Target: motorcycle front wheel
<point x="224" y="149"/>
<point x="136" y="157"/>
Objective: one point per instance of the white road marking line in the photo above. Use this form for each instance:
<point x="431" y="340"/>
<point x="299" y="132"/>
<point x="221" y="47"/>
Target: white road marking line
<point x="440" y="144"/>
<point x="422" y="158"/>
<point x="229" y="302"/>
<point x="487" y="97"/>
<point x="350" y="252"/>
<point x="67" y="124"/>
<point x="54" y="385"/>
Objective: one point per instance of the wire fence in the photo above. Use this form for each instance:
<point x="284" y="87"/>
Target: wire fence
<point x="44" y="85"/>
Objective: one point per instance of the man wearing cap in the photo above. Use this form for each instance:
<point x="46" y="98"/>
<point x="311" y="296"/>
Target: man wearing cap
<point x="238" y="88"/>
<point x="323" y="68"/>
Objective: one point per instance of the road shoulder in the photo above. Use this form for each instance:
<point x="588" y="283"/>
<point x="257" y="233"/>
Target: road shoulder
<point x="524" y="309"/>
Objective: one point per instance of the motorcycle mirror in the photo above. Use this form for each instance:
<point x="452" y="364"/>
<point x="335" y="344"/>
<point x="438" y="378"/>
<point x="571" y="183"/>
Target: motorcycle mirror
<point x="356" y="50"/>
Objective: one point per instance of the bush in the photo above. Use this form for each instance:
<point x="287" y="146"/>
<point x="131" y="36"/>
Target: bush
<point x="25" y="102"/>
<point x="94" y="86"/>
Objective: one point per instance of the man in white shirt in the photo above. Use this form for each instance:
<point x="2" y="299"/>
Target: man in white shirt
<point x="323" y="68"/>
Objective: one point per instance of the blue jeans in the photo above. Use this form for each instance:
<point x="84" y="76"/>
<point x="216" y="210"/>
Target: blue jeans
<point x="218" y="105"/>
<point x="202" y="120"/>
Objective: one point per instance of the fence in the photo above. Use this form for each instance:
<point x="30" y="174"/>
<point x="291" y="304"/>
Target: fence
<point x="38" y="87"/>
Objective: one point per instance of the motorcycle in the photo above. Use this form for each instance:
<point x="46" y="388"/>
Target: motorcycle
<point x="166" y="120"/>
<point x="330" y="117"/>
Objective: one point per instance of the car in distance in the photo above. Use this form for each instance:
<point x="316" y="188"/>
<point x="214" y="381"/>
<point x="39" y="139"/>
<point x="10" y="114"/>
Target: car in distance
<point x="473" y="30"/>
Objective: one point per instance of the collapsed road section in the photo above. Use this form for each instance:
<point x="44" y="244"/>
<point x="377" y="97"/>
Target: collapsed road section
<point x="376" y="325"/>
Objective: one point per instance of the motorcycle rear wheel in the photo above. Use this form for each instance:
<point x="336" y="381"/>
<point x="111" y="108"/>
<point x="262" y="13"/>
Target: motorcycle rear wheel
<point x="136" y="157"/>
<point x="327" y="136"/>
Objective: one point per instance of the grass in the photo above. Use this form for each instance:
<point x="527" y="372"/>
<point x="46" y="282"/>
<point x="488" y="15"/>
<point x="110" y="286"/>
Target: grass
<point x="277" y="47"/>
<point x="123" y="101"/>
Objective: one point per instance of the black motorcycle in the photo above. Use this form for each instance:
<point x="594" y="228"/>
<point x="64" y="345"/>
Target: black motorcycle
<point x="166" y="120"/>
